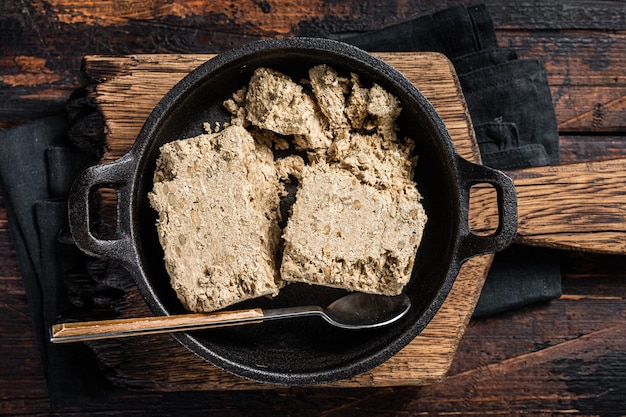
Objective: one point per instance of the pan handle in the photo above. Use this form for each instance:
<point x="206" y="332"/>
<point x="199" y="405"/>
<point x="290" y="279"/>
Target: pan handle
<point x="471" y="244"/>
<point x="116" y="175"/>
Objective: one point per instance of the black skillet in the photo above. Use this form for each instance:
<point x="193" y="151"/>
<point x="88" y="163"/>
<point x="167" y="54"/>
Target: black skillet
<point x="305" y="351"/>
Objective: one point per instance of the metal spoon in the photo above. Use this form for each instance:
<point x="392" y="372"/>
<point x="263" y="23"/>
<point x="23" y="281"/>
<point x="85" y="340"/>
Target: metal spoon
<point x="354" y="311"/>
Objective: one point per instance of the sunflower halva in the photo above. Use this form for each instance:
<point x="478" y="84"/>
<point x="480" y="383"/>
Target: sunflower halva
<point x="357" y="220"/>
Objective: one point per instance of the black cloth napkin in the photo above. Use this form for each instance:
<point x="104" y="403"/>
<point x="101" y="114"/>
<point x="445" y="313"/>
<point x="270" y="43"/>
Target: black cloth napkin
<point x="37" y="167"/>
<point x="515" y="123"/>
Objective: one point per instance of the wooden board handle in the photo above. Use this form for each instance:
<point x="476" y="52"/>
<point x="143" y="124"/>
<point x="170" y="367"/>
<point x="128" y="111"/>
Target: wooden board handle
<point x="107" y="329"/>
<point x="578" y="206"/>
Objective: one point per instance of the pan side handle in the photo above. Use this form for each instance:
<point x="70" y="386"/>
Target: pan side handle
<point x="116" y="175"/>
<point x="471" y="244"/>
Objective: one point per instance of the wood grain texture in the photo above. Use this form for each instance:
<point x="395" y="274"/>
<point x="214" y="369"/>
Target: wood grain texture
<point x="554" y="208"/>
<point x="129" y="87"/>
<point x="137" y="326"/>
<point x="580" y="44"/>
<point x="122" y="82"/>
<point x="573" y="206"/>
<point x="42" y="43"/>
<point x="577" y="207"/>
<point x="586" y="76"/>
<point x="21" y="370"/>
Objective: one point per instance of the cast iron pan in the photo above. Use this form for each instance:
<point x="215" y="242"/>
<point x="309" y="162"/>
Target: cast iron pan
<point x="295" y="352"/>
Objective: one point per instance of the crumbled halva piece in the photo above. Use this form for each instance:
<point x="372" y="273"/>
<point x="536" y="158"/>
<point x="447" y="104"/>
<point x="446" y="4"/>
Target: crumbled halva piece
<point x="346" y="234"/>
<point x="275" y="102"/>
<point x="357" y="220"/>
<point x="330" y="92"/>
<point x="217" y="196"/>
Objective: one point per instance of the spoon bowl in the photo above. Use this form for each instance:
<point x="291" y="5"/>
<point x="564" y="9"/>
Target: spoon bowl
<point x="354" y="311"/>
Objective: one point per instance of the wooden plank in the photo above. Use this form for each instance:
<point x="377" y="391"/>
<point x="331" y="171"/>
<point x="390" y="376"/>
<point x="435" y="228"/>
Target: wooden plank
<point x="562" y="15"/>
<point x="587" y="148"/>
<point x="43" y="44"/>
<point x="128" y="89"/>
<point x="283" y="14"/>
<point x="32" y="29"/>
<point x="576" y="206"/>
<point x="123" y="82"/>
<point x="22" y="382"/>
<point x="538" y="359"/>
<point x="537" y="381"/>
<point x="553" y="323"/>
<point x="425" y="361"/>
<point x="587" y="75"/>
<point x="590" y="364"/>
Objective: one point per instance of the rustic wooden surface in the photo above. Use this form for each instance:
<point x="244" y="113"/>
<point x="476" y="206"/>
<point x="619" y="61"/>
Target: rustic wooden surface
<point x="556" y="208"/>
<point x="126" y="88"/>
<point x="563" y="357"/>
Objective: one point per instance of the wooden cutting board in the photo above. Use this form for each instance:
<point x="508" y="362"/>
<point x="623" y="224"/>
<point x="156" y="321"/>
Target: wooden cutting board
<point x="126" y="88"/>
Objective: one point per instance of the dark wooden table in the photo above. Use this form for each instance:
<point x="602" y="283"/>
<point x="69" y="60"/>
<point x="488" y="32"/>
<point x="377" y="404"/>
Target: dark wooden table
<point x="567" y="356"/>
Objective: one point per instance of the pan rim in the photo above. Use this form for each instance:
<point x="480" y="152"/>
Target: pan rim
<point x="149" y="130"/>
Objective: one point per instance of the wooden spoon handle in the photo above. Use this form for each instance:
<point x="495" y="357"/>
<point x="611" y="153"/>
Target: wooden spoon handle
<point x="106" y="329"/>
<point x="578" y="206"/>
